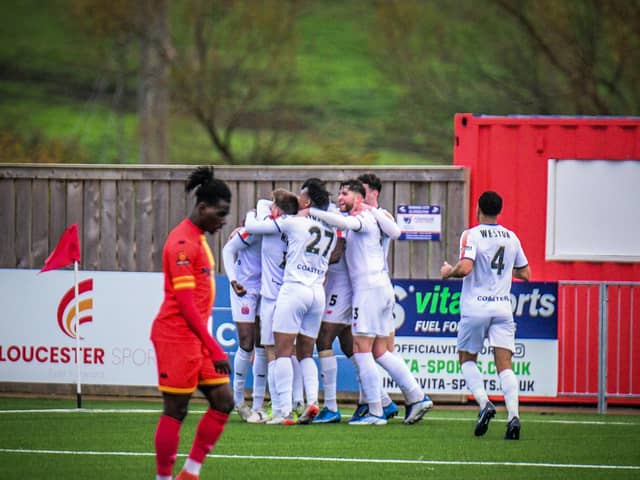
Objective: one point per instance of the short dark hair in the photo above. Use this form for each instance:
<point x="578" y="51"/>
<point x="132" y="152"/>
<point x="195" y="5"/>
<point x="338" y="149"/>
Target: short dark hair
<point x="208" y="189"/>
<point x="318" y="193"/>
<point x="285" y="201"/>
<point x="355" y="186"/>
<point x="490" y="203"/>
<point x="372" y="180"/>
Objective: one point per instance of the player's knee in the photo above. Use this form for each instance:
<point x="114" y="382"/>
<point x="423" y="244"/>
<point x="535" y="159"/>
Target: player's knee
<point x="220" y="398"/>
<point x="223" y="404"/>
<point x="178" y="412"/>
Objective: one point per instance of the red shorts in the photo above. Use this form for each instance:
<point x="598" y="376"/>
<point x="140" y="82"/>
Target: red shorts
<point x="182" y="367"/>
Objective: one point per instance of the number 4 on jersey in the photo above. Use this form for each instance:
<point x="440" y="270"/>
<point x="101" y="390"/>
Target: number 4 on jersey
<point x="497" y="262"/>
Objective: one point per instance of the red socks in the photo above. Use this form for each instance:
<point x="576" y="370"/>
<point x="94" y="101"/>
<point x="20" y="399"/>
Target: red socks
<point x="209" y="430"/>
<point x="166" y="440"/>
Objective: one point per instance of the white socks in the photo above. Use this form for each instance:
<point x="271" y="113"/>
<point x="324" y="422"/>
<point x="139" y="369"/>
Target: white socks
<point x="192" y="466"/>
<point x="310" y="379"/>
<point x="259" y="377"/>
<point x="284" y="380"/>
<point x="329" y="374"/>
<point x="362" y="398"/>
<point x="474" y="382"/>
<point x="510" y="390"/>
<point x="271" y="379"/>
<point x="241" y="364"/>
<point x="370" y="381"/>
<point x="298" y="385"/>
<point x="400" y="374"/>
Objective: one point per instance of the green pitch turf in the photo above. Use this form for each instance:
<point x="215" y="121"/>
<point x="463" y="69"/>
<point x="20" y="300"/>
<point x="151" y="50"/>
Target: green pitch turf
<point x="50" y="439"/>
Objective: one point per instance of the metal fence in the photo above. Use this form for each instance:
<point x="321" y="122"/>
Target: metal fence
<point x="599" y="340"/>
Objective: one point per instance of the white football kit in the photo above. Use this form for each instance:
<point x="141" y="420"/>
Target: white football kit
<point x="485" y="301"/>
<point x="373" y="296"/>
<point x="273" y="252"/>
<point x="241" y="256"/>
<point x="338" y="292"/>
<point x="301" y="299"/>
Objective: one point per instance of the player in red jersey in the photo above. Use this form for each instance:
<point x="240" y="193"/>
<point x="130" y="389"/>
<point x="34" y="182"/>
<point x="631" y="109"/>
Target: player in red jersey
<point x="188" y="357"/>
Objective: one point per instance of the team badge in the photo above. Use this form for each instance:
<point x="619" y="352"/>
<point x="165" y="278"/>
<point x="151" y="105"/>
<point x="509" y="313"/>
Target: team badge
<point x="182" y="259"/>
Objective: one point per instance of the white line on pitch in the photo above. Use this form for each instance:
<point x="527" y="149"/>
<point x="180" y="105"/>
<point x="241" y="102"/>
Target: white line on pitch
<point x="334" y="459"/>
<point x="430" y="418"/>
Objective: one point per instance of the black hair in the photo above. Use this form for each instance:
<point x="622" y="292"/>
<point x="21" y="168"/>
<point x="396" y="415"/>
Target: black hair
<point x="208" y="189"/>
<point x="372" y="180"/>
<point x="354" y="185"/>
<point x="490" y="203"/>
<point x="312" y="180"/>
<point x="318" y="193"/>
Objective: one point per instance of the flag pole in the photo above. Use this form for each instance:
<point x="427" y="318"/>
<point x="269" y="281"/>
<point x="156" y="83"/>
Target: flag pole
<point x="78" y="349"/>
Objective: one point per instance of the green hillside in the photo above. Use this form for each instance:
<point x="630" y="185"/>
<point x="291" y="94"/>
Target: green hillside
<point x="56" y="99"/>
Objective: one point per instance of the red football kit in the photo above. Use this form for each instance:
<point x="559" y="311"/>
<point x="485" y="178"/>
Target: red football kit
<point x="184" y="351"/>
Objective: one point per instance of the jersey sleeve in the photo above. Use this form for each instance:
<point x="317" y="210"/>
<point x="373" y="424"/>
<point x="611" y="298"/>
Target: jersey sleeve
<point x="521" y="259"/>
<point x="239" y="241"/>
<point x="180" y="258"/>
<point x="263" y="227"/>
<point x="337" y="220"/>
<point x="468" y="246"/>
<point x="387" y="223"/>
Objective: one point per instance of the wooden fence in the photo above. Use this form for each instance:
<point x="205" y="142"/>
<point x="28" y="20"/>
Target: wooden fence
<point x="125" y="212"/>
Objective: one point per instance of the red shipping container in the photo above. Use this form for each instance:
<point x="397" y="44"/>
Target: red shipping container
<point x="510" y="154"/>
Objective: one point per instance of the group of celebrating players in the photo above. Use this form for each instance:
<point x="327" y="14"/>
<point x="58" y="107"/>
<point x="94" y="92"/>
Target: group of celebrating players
<point x="303" y="272"/>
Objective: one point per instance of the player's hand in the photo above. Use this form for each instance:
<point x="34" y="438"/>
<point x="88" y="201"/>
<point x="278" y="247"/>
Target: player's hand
<point x="366" y="206"/>
<point x="445" y="270"/>
<point x="238" y="288"/>
<point x="304" y="212"/>
<point x="222" y="366"/>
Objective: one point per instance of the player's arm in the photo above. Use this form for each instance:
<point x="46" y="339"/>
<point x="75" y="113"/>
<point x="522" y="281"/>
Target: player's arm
<point x="522" y="273"/>
<point x="183" y="280"/>
<point x="187" y="303"/>
<point x="262" y="227"/>
<point x="386" y="222"/>
<point x="337" y="220"/>
<point x="461" y="269"/>
<point x="229" y="252"/>
<point x="338" y="250"/>
<point x="465" y="264"/>
<point x="263" y="208"/>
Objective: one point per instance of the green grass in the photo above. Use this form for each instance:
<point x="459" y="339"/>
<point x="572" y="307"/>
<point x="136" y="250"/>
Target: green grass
<point x="568" y="446"/>
<point x="50" y="93"/>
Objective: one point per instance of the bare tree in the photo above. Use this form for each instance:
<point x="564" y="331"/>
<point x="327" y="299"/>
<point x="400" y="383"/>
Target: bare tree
<point x="234" y="67"/>
<point x="119" y="25"/>
<point x="573" y="57"/>
<point x="153" y="85"/>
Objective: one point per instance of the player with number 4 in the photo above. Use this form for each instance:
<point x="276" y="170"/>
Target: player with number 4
<point x="490" y="255"/>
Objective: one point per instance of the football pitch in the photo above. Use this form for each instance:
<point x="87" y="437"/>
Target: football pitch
<point x="50" y="439"/>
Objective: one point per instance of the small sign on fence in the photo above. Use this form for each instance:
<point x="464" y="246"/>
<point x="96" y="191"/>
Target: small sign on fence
<point x="419" y="222"/>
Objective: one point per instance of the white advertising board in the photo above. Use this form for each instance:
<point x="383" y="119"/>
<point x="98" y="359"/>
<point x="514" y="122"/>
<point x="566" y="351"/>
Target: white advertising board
<point x="38" y="326"/>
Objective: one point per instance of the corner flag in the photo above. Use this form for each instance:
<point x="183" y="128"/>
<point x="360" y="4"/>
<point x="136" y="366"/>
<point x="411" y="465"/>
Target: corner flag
<point x="66" y="252"/>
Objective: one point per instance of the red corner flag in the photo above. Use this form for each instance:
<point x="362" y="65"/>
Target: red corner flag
<point x="66" y="252"/>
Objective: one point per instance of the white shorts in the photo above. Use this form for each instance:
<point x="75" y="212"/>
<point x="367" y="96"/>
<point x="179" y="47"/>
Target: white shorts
<point x="267" y="308"/>
<point x="244" y="309"/>
<point x="338" y="306"/>
<point x="372" y="314"/>
<point x="501" y="332"/>
<point x="299" y="309"/>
